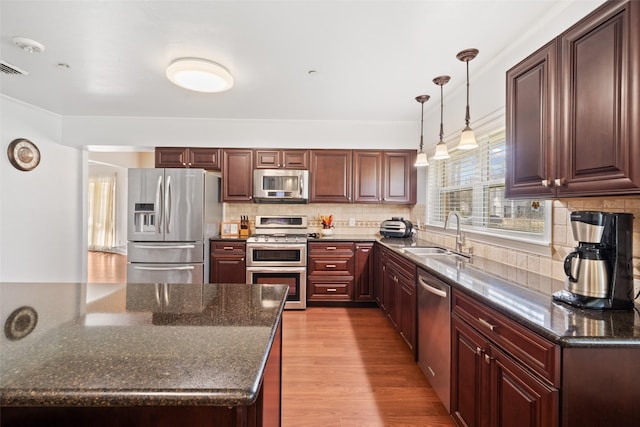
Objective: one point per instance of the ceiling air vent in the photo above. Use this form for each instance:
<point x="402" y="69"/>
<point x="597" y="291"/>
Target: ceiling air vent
<point x="7" y="68"/>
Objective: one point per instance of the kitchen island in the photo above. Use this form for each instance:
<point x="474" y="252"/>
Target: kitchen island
<point x="141" y="354"/>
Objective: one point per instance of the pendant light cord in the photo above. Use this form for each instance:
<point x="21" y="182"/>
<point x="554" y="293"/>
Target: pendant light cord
<point x="467" y="117"/>
<point x="441" y="115"/>
<point x="421" y="124"/>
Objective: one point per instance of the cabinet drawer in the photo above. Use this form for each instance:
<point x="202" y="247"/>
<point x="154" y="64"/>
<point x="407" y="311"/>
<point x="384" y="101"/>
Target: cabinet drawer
<point x="324" y="265"/>
<point x="335" y="289"/>
<point x="530" y="349"/>
<point x="334" y="248"/>
<point x="228" y="248"/>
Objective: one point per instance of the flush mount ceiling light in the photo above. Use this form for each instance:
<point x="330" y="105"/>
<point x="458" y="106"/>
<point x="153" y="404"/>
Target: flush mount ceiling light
<point x="441" y="148"/>
<point x="28" y="45"/>
<point x="421" y="159"/>
<point x="468" y="137"/>
<point x="199" y="75"/>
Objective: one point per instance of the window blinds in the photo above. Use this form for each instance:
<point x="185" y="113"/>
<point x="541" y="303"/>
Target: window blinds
<point x="472" y="183"/>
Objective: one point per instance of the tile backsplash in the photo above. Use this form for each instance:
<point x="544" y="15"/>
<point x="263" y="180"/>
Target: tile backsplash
<point x="562" y="244"/>
<point x="365" y="219"/>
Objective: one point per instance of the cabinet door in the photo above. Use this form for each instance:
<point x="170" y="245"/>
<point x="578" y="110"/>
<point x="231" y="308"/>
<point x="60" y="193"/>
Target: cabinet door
<point x="469" y="390"/>
<point x="380" y="257"/>
<point x="518" y="398"/>
<point x="295" y="159"/>
<point x="407" y="312"/>
<point x="367" y="176"/>
<point x="268" y="159"/>
<point x="228" y="269"/>
<point x="171" y="157"/>
<point x="363" y="289"/>
<point x="228" y="262"/>
<point x="205" y="158"/>
<point x="600" y="94"/>
<point x="530" y="125"/>
<point x="391" y="294"/>
<point x="237" y="175"/>
<point x="399" y="177"/>
<point x="331" y="172"/>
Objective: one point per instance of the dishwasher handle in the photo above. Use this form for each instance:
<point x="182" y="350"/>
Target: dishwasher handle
<point x="431" y="289"/>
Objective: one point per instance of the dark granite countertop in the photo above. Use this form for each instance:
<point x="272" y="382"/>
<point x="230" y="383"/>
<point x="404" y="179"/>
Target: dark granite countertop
<point x="136" y="344"/>
<point x="508" y="290"/>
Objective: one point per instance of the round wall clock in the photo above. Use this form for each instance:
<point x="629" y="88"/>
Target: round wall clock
<point x="23" y="154"/>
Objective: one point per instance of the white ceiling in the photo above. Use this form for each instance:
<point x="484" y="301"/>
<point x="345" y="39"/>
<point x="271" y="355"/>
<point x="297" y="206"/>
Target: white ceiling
<point x="371" y="57"/>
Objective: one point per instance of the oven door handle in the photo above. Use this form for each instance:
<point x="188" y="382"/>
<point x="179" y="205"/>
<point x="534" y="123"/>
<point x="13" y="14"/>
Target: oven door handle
<point x="278" y="246"/>
<point x="275" y="269"/>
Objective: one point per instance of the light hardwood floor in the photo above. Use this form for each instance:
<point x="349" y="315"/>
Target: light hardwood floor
<point x="342" y="367"/>
<point x="106" y="267"/>
<point x="347" y="367"/>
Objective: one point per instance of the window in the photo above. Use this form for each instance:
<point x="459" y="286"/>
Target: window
<point x="472" y="183"/>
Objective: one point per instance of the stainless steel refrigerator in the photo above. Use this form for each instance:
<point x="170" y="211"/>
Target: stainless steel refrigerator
<point x="171" y="214"/>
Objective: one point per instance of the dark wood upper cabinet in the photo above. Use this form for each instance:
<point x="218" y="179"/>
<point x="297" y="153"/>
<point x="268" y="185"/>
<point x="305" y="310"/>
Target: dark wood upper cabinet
<point x="282" y="159"/>
<point x="384" y="176"/>
<point x="237" y="175"/>
<point x="530" y="124"/>
<point x="331" y="173"/>
<point x="206" y="158"/>
<point x="191" y="157"/>
<point x="399" y="177"/>
<point x="367" y="176"/>
<point x="572" y="110"/>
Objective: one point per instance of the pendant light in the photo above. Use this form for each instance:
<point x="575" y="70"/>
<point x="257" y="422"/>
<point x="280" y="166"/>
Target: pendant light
<point x="468" y="137"/>
<point x="421" y="159"/>
<point x="441" y="148"/>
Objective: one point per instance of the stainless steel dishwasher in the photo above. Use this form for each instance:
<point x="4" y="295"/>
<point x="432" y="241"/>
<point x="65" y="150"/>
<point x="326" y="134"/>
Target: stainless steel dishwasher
<point x="434" y="334"/>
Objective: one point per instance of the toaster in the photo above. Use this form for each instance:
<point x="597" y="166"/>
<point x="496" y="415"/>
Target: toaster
<point x="396" y="227"/>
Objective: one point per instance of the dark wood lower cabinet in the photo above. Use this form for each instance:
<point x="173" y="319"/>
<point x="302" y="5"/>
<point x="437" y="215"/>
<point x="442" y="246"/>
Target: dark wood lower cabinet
<point x="489" y="388"/>
<point x="395" y="293"/>
<point x="228" y="262"/>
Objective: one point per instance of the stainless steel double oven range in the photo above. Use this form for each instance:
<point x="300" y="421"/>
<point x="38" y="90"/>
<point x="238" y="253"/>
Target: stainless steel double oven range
<point x="277" y="254"/>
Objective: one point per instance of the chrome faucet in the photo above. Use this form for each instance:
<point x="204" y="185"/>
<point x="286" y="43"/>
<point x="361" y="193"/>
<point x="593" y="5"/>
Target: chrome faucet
<point x="459" y="234"/>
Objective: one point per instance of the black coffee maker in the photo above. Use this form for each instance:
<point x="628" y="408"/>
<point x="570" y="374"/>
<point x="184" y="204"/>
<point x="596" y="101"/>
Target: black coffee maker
<point x="600" y="270"/>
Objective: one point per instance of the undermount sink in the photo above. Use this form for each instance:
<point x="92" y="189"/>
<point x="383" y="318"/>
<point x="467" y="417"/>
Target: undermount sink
<point x="434" y="251"/>
<point x="430" y="250"/>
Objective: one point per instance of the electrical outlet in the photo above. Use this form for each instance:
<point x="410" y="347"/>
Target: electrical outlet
<point x="352" y="222"/>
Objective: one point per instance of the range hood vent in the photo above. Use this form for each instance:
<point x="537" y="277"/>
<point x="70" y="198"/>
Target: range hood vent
<point x="7" y="68"/>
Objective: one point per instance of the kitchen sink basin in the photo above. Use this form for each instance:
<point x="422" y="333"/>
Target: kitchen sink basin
<point x="428" y="250"/>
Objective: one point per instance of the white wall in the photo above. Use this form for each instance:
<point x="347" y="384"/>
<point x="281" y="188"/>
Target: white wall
<point x="41" y="211"/>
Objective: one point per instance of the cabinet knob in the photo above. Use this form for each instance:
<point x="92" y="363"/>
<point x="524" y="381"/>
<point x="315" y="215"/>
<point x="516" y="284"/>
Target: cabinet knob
<point x="487" y="359"/>
<point x="331" y="266"/>
<point x="558" y="182"/>
<point x="546" y="182"/>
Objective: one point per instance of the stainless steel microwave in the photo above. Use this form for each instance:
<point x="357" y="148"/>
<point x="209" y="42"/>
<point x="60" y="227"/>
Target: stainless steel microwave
<point x="280" y="186"/>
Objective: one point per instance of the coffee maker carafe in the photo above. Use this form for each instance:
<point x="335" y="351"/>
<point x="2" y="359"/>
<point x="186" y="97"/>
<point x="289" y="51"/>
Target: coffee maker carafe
<point x="599" y="271"/>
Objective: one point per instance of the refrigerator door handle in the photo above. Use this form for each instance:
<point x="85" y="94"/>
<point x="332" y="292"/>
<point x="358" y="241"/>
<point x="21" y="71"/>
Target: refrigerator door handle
<point x="164" y="247"/>
<point x="180" y="268"/>
<point x="167" y="206"/>
<point x="159" y="203"/>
